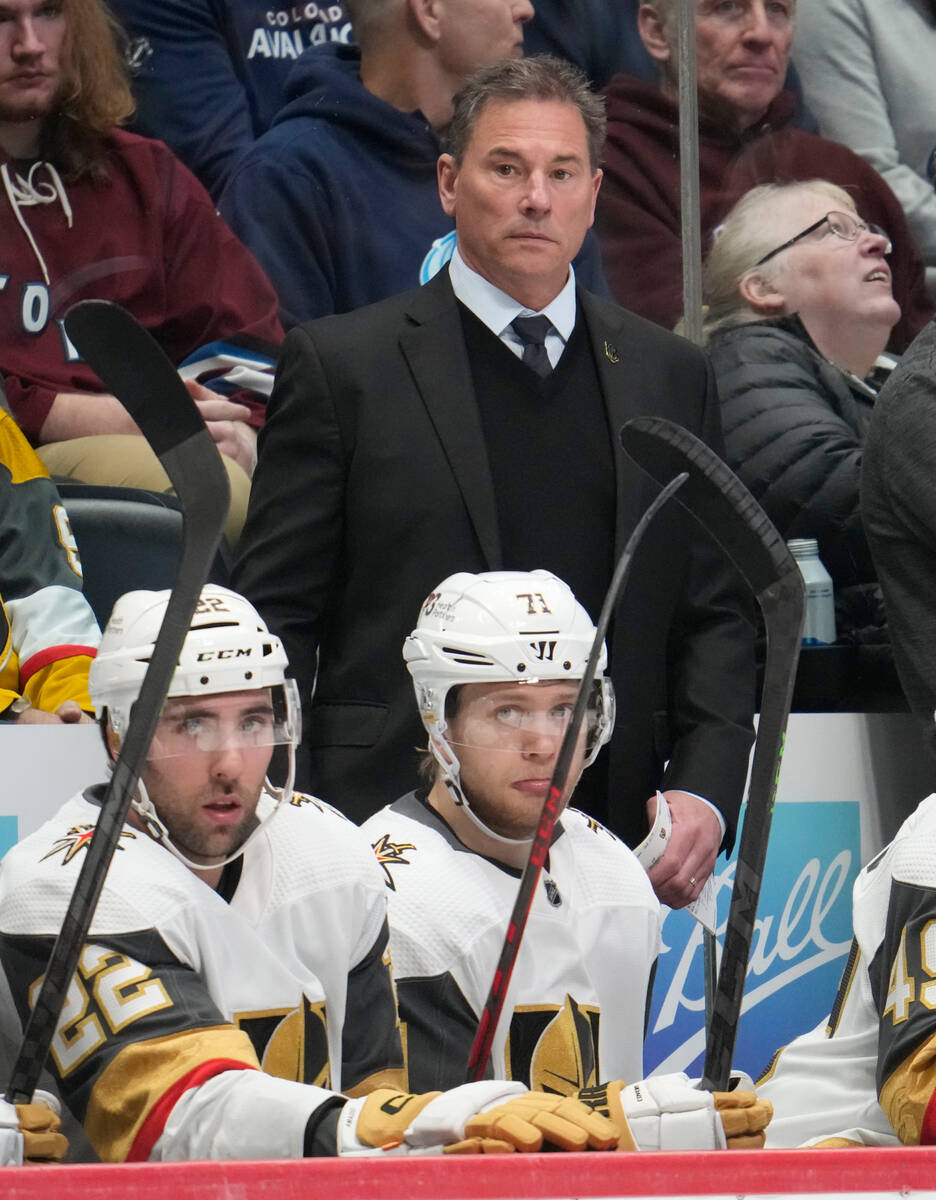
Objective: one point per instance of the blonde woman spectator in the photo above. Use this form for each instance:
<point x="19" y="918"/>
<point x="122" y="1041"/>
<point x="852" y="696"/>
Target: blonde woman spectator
<point x="799" y="308"/>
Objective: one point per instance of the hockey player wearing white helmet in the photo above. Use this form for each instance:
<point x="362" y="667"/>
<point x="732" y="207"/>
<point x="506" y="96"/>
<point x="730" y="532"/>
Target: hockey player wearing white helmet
<point x="496" y="661"/>
<point x="229" y="705"/>
<point x="231" y="990"/>
<point x="510" y="648"/>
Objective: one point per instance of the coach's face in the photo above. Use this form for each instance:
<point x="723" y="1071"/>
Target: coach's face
<point x="523" y="196"/>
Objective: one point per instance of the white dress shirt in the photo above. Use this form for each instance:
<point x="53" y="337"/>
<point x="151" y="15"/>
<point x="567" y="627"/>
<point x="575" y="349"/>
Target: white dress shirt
<point x="496" y="309"/>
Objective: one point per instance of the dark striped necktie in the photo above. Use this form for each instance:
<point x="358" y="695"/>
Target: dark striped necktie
<point x="532" y="332"/>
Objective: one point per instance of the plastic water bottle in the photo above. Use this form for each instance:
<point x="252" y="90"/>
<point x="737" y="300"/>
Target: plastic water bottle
<point x="819" y="626"/>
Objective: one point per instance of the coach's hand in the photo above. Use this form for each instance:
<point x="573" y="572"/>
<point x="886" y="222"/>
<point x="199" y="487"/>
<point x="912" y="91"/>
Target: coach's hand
<point x="680" y="874"/>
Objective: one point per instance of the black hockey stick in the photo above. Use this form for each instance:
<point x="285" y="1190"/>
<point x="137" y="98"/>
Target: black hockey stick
<point x="729" y="513"/>
<point x="134" y="368"/>
<point x="490" y="1014"/>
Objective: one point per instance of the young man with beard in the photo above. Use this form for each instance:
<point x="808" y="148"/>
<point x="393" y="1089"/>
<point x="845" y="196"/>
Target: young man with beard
<point x="89" y="211"/>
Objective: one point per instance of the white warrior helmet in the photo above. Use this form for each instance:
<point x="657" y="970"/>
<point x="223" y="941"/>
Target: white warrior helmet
<point x="228" y="648"/>
<point x="501" y="626"/>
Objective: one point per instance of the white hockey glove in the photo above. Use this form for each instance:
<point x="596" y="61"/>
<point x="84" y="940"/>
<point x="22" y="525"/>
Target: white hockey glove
<point x="487" y="1117"/>
<point x="670" y="1112"/>
<point x="30" y="1132"/>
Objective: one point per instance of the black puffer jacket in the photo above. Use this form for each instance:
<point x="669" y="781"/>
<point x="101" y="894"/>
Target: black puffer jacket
<point x="794" y="427"/>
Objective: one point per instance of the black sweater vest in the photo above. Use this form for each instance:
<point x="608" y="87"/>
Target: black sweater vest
<point x="549" y="448"/>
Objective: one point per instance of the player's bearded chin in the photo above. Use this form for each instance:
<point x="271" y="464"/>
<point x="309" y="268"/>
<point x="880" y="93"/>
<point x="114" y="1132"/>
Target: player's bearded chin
<point x="192" y="842"/>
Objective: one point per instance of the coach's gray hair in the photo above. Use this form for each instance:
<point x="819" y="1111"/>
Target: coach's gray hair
<point x="541" y="77"/>
<point x="746" y="235"/>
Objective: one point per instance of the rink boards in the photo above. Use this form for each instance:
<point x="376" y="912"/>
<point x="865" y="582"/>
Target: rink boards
<point x="902" y="1172"/>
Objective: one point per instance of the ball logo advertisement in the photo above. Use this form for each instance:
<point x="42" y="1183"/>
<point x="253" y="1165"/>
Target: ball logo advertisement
<point x="801" y="940"/>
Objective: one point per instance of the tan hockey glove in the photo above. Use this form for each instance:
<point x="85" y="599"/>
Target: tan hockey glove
<point x="667" y="1112"/>
<point x="745" y="1117"/>
<point x="30" y="1132"/>
<point x="536" y="1117"/>
<point x="488" y="1117"/>
<point x="40" y="1124"/>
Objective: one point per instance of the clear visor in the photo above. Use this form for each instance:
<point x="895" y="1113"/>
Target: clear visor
<point x="530" y="718"/>
<point x="242" y="721"/>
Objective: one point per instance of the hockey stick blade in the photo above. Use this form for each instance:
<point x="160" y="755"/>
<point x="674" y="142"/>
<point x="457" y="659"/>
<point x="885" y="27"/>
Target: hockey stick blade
<point x="134" y="368"/>
<point x="724" y="507"/>
<point x="493" y="1006"/>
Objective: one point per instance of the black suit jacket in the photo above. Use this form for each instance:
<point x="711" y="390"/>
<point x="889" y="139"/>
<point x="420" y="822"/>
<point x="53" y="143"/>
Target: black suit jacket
<point x="373" y="485"/>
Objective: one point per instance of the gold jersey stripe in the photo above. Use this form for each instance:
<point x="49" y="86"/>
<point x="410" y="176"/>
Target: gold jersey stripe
<point x="137" y="1078"/>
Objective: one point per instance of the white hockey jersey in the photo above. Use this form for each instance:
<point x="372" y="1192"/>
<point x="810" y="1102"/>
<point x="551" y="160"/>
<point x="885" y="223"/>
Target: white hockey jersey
<point x="188" y="1001"/>
<point x="575" y="1009"/>
<point x="867" y="1073"/>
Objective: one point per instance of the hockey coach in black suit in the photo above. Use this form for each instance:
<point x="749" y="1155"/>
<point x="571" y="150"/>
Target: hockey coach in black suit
<point x="435" y="432"/>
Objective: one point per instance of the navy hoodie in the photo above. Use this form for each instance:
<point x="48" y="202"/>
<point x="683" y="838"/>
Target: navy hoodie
<point x="209" y="76"/>
<point x="339" y="201"/>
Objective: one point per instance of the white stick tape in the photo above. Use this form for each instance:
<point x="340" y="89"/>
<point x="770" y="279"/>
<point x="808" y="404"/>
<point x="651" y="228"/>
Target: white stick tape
<point x="653" y="847"/>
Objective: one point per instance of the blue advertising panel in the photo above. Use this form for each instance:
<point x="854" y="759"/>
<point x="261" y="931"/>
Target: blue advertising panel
<point x="8" y="833"/>
<point x="801" y="941"/>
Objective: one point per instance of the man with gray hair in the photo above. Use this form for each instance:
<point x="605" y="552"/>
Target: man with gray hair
<point x="746" y="137"/>
<point x="338" y="200"/>
<point x="471" y="425"/>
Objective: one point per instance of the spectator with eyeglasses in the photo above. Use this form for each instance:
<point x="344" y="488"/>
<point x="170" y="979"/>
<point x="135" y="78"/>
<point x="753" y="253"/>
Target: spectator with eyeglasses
<point x="799" y="309"/>
<point x="747" y="137"/>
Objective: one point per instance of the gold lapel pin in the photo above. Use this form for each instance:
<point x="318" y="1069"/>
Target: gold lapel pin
<point x="611" y="354"/>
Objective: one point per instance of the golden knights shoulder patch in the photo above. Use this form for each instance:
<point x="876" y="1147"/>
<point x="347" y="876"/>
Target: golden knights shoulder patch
<point x="391" y="854"/>
<point x="78" y="838"/>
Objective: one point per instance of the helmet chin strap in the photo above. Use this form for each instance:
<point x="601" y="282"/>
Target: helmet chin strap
<point x="451" y="777"/>
<point x="145" y="809"/>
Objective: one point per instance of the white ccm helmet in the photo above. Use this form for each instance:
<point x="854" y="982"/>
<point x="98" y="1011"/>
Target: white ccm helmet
<point x="228" y="648"/>
<point x="500" y="626"/>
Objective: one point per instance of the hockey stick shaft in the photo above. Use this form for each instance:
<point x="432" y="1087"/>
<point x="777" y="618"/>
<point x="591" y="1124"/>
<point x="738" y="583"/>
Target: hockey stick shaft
<point x="493" y="1006"/>
<point x="135" y="369"/>
<point x="726" y="509"/>
<point x="782" y="606"/>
